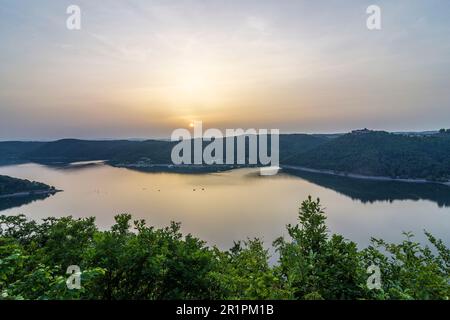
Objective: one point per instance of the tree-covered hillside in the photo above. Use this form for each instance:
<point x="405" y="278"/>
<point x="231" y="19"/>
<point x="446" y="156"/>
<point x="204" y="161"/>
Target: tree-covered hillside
<point x="14" y="151"/>
<point x="70" y="150"/>
<point x="378" y="153"/>
<point x="374" y="153"/>
<point x="125" y="151"/>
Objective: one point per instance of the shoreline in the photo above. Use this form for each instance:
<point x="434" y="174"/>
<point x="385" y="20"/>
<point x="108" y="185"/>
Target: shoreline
<point x="29" y="193"/>
<point x="162" y="167"/>
<point x="217" y="168"/>
<point x="362" y="177"/>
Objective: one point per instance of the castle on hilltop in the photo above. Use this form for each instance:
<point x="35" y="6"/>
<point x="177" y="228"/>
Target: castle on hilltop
<point x="361" y="131"/>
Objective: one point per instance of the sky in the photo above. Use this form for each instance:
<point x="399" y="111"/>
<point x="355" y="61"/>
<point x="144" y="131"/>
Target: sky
<point x="141" y="69"/>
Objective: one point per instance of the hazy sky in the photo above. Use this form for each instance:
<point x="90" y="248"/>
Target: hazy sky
<point x="144" y="68"/>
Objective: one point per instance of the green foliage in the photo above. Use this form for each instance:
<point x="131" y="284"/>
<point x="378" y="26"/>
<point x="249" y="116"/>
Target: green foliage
<point x="136" y="261"/>
<point x="316" y="266"/>
<point x="245" y="273"/>
<point x="411" y="271"/>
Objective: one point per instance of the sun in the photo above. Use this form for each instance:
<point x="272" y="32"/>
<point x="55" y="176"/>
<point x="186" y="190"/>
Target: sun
<point x="194" y="84"/>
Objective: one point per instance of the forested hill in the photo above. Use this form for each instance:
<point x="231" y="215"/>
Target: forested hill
<point x="9" y="186"/>
<point x="70" y="150"/>
<point x="374" y="153"/>
<point x="378" y="153"/>
<point x="125" y="151"/>
<point x="14" y="151"/>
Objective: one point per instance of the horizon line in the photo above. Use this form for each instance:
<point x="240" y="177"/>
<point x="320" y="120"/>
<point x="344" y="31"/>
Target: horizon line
<point x="168" y="138"/>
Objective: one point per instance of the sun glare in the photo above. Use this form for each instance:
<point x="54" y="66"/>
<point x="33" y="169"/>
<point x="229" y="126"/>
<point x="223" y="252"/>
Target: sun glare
<point x="194" y="84"/>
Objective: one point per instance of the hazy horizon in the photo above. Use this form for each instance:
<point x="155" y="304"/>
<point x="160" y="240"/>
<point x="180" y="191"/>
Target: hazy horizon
<point x="168" y="137"/>
<point x="140" y="69"/>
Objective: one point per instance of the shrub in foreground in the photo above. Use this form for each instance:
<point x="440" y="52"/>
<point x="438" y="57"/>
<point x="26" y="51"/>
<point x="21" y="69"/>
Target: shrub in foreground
<point x="148" y="263"/>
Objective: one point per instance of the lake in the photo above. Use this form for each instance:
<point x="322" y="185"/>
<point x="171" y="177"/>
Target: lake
<point x="233" y="205"/>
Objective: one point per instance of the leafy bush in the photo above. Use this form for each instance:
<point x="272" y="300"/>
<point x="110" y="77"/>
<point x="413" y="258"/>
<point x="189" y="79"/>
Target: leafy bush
<point x="149" y="263"/>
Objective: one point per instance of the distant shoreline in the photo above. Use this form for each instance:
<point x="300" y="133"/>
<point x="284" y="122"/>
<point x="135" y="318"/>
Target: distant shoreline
<point x="212" y="168"/>
<point x="162" y="167"/>
<point x="362" y="177"/>
<point x="29" y="193"/>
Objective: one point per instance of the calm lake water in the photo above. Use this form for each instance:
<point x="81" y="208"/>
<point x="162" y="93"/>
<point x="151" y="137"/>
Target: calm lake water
<point x="233" y="205"/>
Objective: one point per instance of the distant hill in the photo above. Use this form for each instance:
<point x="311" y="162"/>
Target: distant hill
<point x="70" y="150"/>
<point x="365" y="152"/>
<point x="294" y="144"/>
<point x="125" y="151"/>
<point x="379" y="153"/>
<point x="13" y="151"/>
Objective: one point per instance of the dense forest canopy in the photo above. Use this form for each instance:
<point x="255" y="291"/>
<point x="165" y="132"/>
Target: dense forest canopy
<point x="378" y="153"/>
